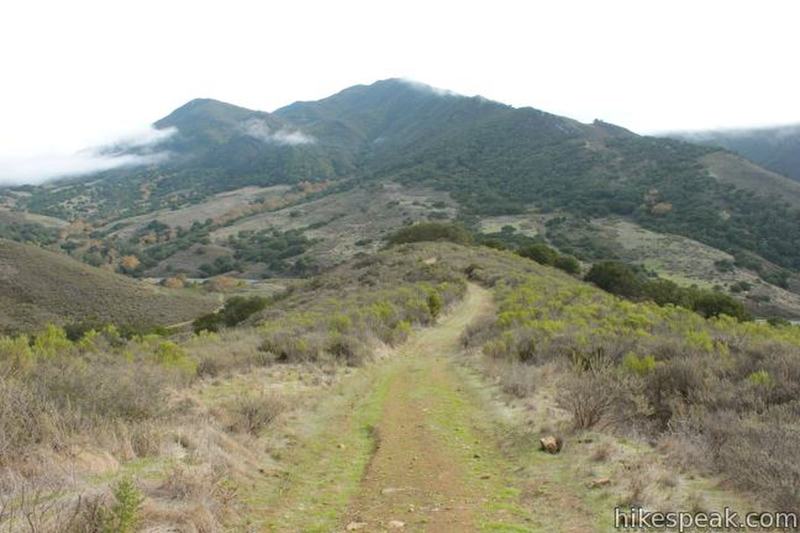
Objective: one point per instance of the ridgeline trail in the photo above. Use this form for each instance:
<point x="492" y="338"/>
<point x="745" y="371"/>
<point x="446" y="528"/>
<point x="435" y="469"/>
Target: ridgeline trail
<point x="421" y="474"/>
<point x="407" y="446"/>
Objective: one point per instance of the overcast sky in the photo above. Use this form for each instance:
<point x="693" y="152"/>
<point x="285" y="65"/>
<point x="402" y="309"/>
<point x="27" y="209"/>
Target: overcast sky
<point x="82" y="72"/>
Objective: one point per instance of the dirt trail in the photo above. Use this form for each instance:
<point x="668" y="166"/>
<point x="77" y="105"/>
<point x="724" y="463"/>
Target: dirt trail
<point x="404" y="445"/>
<point x="416" y="476"/>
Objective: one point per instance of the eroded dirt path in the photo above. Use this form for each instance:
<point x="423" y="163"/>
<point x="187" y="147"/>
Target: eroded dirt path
<point x="420" y="477"/>
<point x="403" y="447"/>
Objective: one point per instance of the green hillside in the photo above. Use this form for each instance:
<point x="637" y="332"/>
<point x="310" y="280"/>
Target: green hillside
<point x="777" y="148"/>
<point x="493" y="159"/>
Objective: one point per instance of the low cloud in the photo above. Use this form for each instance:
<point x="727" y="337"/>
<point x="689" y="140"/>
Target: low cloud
<point x="424" y="87"/>
<point x="259" y="129"/>
<point x="133" y="149"/>
<point x="148" y="137"/>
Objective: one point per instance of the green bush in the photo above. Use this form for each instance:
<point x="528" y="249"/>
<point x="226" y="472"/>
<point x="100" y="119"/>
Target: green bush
<point x="568" y="264"/>
<point x="616" y="278"/>
<point x="431" y="231"/>
<point x="621" y="279"/>
<point x="539" y="252"/>
<point x="435" y="303"/>
<point x="125" y="509"/>
<point x="235" y="311"/>
<point x="760" y="378"/>
<point x="50" y="342"/>
<point x="639" y="365"/>
<point x="712" y="303"/>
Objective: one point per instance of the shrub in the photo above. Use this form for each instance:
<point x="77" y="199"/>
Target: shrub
<point x="172" y="355"/>
<point x="518" y="379"/>
<point x="778" y="322"/>
<point x="25" y="419"/>
<point x="15" y="353"/>
<point x="236" y="310"/>
<point x="588" y="397"/>
<point x="124" y="515"/>
<point x="347" y="348"/>
<point x="50" y="342"/>
<point x="435" y="303"/>
<point x="724" y="265"/>
<point x="623" y="280"/>
<point x="177" y="282"/>
<point x="568" y="264"/>
<point x="221" y="284"/>
<point x="615" y="277"/>
<point x="760" y="378"/>
<point x="431" y="231"/>
<point x="254" y="413"/>
<point x="712" y="303"/>
<point x="539" y="252"/>
<point x="103" y="388"/>
<point x="639" y="365"/>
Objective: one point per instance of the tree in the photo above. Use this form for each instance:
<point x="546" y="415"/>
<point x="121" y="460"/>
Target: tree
<point x="615" y="277"/>
<point x="539" y="252"/>
<point x="711" y="303"/>
<point x="568" y="264"/>
<point x="432" y="231"/>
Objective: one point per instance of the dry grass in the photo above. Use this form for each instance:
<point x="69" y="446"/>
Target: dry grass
<point x="38" y="287"/>
<point x="252" y="414"/>
<point x="104" y="406"/>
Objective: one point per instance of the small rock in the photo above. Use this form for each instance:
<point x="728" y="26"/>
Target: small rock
<point x="355" y="526"/>
<point x="341" y="446"/>
<point x="396" y="524"/>
<point x="551" y="444"/>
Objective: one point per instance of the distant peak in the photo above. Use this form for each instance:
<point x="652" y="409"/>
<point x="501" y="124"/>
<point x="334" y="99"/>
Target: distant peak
<point x="611" y="128"/>
<point x="408" y="83"/>
<point x="205" y="108"/>
<point x="207" y="104"/>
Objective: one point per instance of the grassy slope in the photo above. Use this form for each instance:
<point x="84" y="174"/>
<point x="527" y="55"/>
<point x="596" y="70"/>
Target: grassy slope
<point x="38" y="286"/>
<point x="738" y="171"/>
<point x="336" y="222"/>
<point x="773" y="148"/>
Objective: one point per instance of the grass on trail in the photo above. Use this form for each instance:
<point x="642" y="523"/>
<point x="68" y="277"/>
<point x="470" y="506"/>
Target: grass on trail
<point x="357" y="464"/>
<point x="406" y="440"/>
<point x="421" y="438"/>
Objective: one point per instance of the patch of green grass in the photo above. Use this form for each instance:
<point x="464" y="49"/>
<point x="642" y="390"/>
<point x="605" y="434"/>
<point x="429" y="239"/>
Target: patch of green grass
<point x="326" y="470"/>
<point x="460" y="420"/>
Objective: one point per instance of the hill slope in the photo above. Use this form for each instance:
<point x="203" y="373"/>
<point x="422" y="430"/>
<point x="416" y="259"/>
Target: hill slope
<point x="492" y="159"/>
<point x="777" y="149"/>
<point x="39" y="287"/>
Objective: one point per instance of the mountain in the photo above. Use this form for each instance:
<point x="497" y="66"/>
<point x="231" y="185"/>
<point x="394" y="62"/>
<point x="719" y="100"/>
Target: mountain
<point x="39" y="287"/>
<point x="776" y="148"/>
<point x="312" y="183"/>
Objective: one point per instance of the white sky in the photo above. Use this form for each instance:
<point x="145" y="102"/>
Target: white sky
<point x="81" y="72"/>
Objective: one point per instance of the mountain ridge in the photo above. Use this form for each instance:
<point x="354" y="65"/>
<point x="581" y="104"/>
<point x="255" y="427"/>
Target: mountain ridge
<point x="489" y="158"/>
<point x="775" y="148"/>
